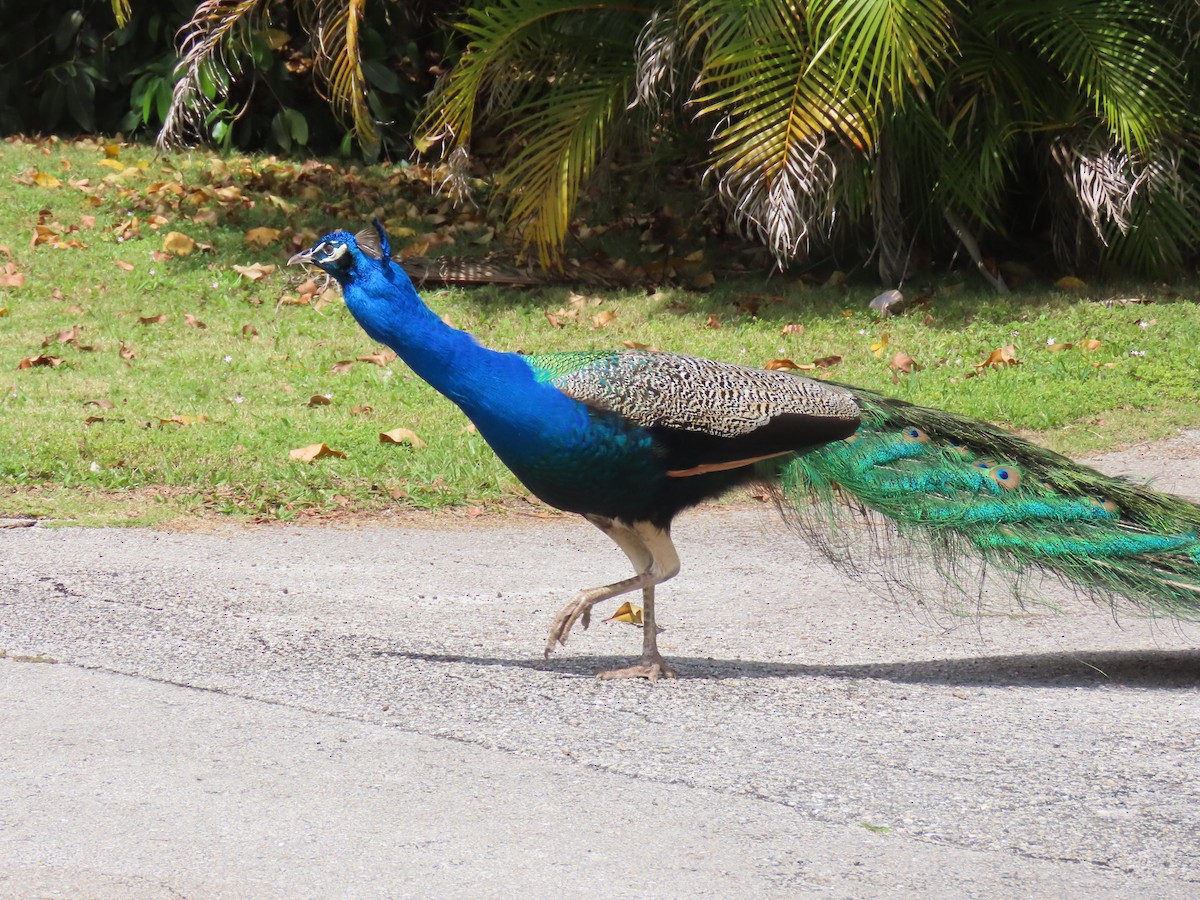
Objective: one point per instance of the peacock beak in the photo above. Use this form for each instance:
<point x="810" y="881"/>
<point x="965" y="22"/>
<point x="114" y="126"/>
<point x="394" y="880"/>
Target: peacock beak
<point x="302" y="257"/>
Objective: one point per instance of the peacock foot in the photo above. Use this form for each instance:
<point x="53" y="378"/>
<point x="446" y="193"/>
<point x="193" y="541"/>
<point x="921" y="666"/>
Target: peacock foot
<point x="578" y="610"/>
<point x="653" y="668"/>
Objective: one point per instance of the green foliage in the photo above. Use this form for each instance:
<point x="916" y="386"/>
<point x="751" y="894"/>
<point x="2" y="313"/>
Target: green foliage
<point x="108" y="67"/>
<point x="872" y="122"/>
<point x="317" y="74"/>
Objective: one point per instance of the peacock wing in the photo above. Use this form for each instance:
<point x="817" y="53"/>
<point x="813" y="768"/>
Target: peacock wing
<point x="707" y="415"/>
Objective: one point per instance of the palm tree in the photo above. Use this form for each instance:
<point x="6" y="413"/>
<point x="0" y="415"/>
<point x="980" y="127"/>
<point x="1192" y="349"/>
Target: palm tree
<point x="892" y="121"/>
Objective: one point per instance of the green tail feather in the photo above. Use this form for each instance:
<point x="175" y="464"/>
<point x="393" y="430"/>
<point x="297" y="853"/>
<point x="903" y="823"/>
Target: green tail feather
<point x="962" y="485"/>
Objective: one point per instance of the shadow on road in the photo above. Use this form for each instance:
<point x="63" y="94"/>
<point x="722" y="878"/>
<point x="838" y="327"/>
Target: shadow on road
<point x="1170" y="669"/>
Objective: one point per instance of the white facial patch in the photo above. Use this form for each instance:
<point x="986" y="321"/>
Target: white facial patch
<point x="336" y="253"/>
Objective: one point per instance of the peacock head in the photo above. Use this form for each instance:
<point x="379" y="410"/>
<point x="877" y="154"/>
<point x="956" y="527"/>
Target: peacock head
<point x="344" y="255"/>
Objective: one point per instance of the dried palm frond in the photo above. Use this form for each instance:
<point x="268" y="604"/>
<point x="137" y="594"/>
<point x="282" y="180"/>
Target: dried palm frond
<point x="334" y="25"/>
<point x="207" y="59"/>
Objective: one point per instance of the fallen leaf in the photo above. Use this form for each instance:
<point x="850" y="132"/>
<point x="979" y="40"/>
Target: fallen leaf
<point x="702" y="280"/>
<point x="555" y="321"/>
<point x="63" y="337"/>
<point x="46" y="180"/>
<point x="401" y="436"/>
<point x="1070" y="283"/>
<point x="126" y="353"/>
<point x="262" y="236"/>
<point x="10" y="277"/>
<point x="902" y="362"/>
<point x="124" y="266"/>
<point x="634" y="345"/>
<point x="255" y="271"/>
<point x="192" y="322"/>
<point x="184" y="420"/>
<point x="361" y="410"/>
<point x="627" y="614"/>
<point x="827" y="362"/>
<point x="1091" y="344"/>
<point x="712" y="321"/>
<point x="92" y="420"/>
<point x="380" y="357"/>
<point x="249" y="330"/>
<point x="40" y="360"/>
<point x="178" y="244"/>
<point x="1000" y="357"/>
<point x="319" y="400"/>
<point x="101" y="403"/>
<point x="792" y="329"/>
<point x="878" y="347"/>
<point x="342" y="367"/>
<point x="783" y="365"/>
<point x="1053" y="346"/>
<point x="152" y="320"/>
<point x="602" y="319"/>
<point x="315" y="451"/>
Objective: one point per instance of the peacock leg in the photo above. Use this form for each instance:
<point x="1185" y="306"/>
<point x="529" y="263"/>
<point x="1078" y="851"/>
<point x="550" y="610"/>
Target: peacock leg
<point x="654" y="559"/>
<point x="651" y="665"/>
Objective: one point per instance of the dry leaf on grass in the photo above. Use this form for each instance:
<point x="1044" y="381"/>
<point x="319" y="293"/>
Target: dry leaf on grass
<point x="999" y="358"/>
<point x="380" y="357"/>
<point x="262" y="236"/>
<point x="178" y="244"/>
<point x="255" y="271"/>
<point x="401" y="436"/>
<point x="315" y="451"/>
<point x="40" y="360"/>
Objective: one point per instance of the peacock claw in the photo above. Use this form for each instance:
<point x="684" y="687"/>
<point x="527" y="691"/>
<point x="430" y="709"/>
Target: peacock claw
<point x="579" y="609"/>
<point x="653" y="669"/>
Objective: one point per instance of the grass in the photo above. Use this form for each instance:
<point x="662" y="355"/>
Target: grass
<point x="252" y="369"/>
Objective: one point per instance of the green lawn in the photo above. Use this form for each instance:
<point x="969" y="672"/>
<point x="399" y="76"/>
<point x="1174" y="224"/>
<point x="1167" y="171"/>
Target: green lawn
<point x="91" y="439"/>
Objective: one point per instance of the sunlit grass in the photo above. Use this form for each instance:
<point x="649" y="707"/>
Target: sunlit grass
<point x="252" y="384"/>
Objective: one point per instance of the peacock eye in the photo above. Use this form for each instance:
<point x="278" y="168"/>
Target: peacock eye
<point x="1005" y="476"/>
<point x="913" y="433"/>
<point x="329" y="251"/>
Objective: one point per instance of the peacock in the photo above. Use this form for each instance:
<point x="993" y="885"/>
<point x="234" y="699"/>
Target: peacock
<point x="627" y="439"/>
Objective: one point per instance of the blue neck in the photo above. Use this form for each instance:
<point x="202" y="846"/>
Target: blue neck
<point x="489" y="386"/>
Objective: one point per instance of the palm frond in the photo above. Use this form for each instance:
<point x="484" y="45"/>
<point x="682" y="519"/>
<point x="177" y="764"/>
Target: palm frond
<point x="206" y="58"/>
<point x="1163" y="221"/>
<point x="659" y="54"/>
<point x="562" y="136"/>
<point x="776" y="110"/>
<point x="881" y="48"/>
<point x="1115" y="53"/>
<point x="334" y="26"/>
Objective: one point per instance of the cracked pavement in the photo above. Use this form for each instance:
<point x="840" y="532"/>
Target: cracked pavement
<point x="281" y="711"/>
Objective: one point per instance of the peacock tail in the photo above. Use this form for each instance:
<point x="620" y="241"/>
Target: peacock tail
<point x="966" y="488"/>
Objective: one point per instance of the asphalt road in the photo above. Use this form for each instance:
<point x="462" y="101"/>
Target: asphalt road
<point x="366" y="712"/>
